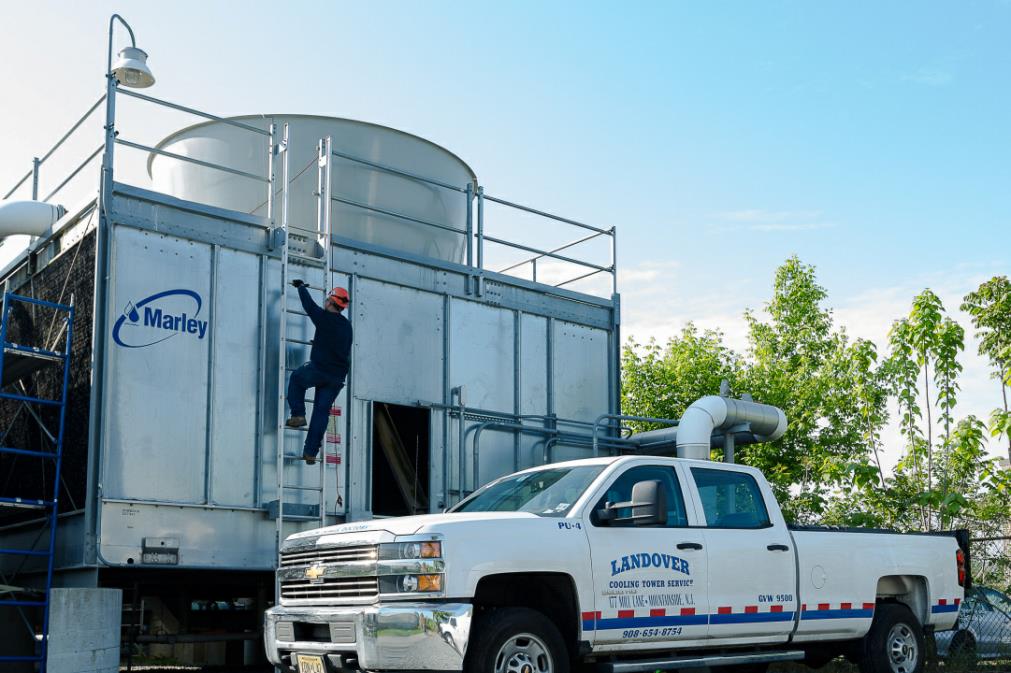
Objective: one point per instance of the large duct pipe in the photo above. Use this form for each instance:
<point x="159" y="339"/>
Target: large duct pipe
<point x="30" y="218"/>
<point x="717" y="414"/>
<point x="710" y="413"/>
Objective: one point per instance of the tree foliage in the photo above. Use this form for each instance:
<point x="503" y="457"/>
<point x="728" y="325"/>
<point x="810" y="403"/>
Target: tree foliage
<point x="836" y="393"/>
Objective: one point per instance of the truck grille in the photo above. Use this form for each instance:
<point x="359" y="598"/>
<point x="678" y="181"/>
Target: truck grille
<point x="331" y="587"/>
<point x="298" y="584"/>
<point x="333" y="555"/>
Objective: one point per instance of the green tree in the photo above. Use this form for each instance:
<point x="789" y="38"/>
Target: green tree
<point x="799" y="362"/>
<point x="990" y="309"/>
<point x="662" y="382"/>
<point x="796" y="360"/>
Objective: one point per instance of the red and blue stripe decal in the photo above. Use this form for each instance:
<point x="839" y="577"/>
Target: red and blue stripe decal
<point x="627" y="619"/>
<point x="944" y="605"/>
<point x="844" y="611"/>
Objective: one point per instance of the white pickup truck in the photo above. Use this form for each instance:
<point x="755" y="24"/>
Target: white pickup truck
<point x="619" y="564"/>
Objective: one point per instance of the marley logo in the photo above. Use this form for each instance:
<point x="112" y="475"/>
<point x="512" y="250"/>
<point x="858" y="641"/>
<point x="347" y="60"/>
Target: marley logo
<point x="160" y="317"/>
<point x="314" y="573"/>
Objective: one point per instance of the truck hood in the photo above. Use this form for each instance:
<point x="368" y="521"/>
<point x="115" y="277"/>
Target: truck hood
<point x="384" y="530"/>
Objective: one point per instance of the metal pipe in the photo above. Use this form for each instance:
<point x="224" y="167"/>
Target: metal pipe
<point x="614" y="260"/>
<point x="397" y="215"/>
<point x="480" y="227"/>
<point x="73" y="128"/>
<point x="198" y="162"/>
<point x="559" y="249"/>
<point x="74" y="173"/>
<point x="19" y="183"/>
<point x="396" y="171"/>
<point x="35" y="178"/>
<point x="543" y="253"/>
<point x="183" y="108"/>
<point x="470" y="224"/>
<point x="626" y="417"/>
<point x="534" y="211"/>
<point x="585" y="275"/>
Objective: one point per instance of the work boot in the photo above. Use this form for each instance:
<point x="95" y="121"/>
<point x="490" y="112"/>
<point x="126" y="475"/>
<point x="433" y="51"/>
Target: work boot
<point x="296" y="422"/>
<point x="307" y="457"/>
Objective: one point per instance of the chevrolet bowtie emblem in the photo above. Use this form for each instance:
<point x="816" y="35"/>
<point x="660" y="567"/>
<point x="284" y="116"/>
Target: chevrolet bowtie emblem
<point x="314" y="573"/>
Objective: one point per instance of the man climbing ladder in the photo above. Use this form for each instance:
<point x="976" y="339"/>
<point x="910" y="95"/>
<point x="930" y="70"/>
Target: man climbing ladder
<point x="327" y="367"/>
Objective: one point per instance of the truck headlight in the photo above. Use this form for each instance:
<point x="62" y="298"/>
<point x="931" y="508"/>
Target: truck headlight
<point x="410" y="551"/>
<point x="410" y="584"/>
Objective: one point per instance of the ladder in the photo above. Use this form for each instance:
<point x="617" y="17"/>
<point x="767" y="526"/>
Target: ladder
<point x="309" y="248"/>
<point x="18" y="362"/>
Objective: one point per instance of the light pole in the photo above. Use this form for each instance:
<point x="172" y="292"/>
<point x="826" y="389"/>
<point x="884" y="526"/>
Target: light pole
<point x="131" y="69"/>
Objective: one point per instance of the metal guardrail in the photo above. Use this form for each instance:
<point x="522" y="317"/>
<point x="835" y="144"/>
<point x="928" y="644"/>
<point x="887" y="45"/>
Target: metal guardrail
<point x="476" y="238"/>
<point x="38" y="161"/>
<point x="474" y="194"/>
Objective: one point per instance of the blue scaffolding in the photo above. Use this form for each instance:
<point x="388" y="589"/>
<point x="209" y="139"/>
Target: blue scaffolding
<point x="19" y="362"/>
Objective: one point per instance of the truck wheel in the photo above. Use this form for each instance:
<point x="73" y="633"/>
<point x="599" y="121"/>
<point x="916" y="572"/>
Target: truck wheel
<point x="895" y="642"/>
<point x="515" y="640"/>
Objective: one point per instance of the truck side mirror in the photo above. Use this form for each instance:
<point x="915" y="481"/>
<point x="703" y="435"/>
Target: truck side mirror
<point x="648" y="505"/>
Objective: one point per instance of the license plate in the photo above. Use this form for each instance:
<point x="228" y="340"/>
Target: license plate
<point x="310" y="663"/>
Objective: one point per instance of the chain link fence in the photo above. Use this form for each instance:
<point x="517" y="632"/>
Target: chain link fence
<point x="981" y="640"/>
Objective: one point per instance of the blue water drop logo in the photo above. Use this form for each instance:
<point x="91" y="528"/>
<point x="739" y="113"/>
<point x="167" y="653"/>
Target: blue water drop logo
<point x="131" y="312"/>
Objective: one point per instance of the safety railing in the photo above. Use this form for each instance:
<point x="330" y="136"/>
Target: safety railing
<point x="473" y="199"/>
<point x="35" y="173"/>
<point x="112" y="138"/>
<point x="474" y="232"/>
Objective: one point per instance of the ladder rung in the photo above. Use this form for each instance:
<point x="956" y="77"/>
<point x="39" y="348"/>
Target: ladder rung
<point x="293" y="312"/>
<point x="27" y="503"/>
<point x="31" y="350"/>
<point x="302" y="429"/>
<point x="293" y="487"/>
<point x="34" y="400"/>
<point x="25" y="604"/>
<point x="297" y="457"/>
<point x="298" y="341"/>
<point x="24" y="552"/>
<point x="26" y="452"/>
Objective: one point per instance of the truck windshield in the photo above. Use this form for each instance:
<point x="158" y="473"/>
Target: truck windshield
<point x="549" y="492"/>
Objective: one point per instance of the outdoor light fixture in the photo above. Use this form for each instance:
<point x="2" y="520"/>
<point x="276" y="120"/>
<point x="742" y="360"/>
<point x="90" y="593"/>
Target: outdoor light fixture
<point x="131" y="68"/>
<point x="131" y="65"/>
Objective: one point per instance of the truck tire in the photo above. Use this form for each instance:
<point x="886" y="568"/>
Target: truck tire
<point x="515" y="640"/>
<point x="895" y="642"/>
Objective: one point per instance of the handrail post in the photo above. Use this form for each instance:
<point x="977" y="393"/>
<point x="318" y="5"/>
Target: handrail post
<point x="614" y="260"/>
<point x="271" y="151"/>
<point x="470" y="224"/>
<point x="469" y="228"/>
<point x="480" y="240"/>
<point x="534" y="261"/>
<point x="480" y="228"/>
<point x="35" y="178"/>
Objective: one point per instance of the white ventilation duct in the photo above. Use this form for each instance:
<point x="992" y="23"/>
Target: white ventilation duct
<point x="717" y="414"/>
<point x="29" y="218"/>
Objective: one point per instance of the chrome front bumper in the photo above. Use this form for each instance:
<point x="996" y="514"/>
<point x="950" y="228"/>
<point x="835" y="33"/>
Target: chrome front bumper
<point x="392" y="637"/>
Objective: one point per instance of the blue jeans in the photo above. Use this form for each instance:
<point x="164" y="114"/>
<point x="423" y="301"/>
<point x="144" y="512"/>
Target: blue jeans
<point x="327" y="388"/>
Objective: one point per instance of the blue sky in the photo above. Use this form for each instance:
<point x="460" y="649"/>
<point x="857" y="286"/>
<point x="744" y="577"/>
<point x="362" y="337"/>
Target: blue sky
<point x="869" y="138"/>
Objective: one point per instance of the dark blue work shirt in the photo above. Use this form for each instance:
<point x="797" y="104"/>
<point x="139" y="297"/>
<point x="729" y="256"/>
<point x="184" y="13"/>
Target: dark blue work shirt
<point x="331" y="345"/>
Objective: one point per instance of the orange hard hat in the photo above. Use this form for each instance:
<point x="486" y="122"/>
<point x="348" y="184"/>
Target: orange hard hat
<point x="340" y="296"/>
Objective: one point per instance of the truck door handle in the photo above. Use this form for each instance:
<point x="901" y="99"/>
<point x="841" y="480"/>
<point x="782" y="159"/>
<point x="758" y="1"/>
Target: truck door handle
<point x="689" y="545"/>
<point x="778" y="547"/>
